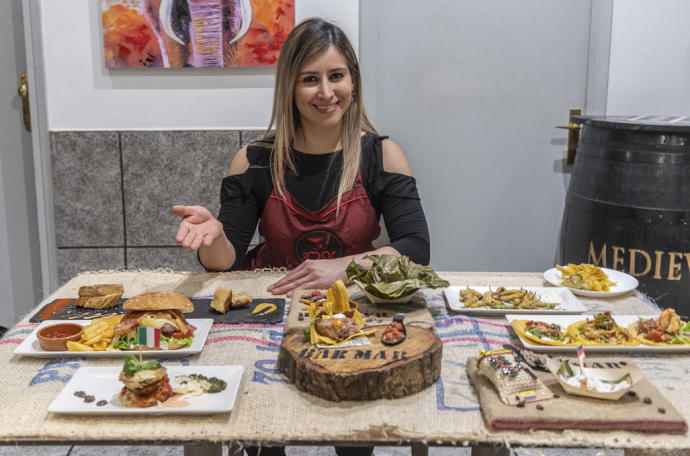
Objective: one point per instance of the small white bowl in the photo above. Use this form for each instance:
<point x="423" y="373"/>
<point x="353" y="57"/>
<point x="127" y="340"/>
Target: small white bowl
<point x="377" y="300"/>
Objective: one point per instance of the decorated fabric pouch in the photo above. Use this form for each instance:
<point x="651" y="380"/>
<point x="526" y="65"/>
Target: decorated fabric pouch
<point x="513" y="380"/>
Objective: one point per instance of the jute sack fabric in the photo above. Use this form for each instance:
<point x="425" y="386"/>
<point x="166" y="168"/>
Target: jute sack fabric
<point x="576" y="412"/>
<point x="415" y="312"/>
<point x="268" y="409"/>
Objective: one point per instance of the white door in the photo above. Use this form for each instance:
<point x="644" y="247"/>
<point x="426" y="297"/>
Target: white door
<point x="472" y="91"/>
<point x="20" y="271"/>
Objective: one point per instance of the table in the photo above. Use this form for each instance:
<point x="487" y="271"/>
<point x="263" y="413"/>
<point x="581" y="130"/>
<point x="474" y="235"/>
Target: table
<point x="269" y="410"/>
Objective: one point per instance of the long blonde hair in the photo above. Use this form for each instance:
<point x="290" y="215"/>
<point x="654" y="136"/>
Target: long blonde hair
<point x="307" y="40"/>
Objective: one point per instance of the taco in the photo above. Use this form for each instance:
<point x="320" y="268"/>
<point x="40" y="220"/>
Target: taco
<point x="662" y="331"/>
<point x="541" y="332"/>
<point x="602" y="330"/>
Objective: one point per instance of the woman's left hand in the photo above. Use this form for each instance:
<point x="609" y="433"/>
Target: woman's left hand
<point x="312" y="274"/>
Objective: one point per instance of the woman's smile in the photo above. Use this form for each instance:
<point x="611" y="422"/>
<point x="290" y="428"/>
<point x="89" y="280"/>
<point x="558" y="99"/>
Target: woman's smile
<point x="326" y="109"/>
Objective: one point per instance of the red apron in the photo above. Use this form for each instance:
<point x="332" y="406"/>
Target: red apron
<point x="293" y="233"/>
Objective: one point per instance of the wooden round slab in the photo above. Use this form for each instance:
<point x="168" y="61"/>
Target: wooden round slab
<point x="363" y="373"/>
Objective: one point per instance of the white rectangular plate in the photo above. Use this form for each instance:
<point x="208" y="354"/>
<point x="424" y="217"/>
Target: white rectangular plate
<point x="31" y="347"/>
<point x="567" y="302"/>
<point x="103" y="384"/>
<point x="566" y="320"/>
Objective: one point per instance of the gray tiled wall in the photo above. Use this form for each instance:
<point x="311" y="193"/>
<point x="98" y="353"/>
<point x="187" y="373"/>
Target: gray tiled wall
<point x="113" y="193"/>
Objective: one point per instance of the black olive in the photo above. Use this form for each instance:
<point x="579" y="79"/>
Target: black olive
<point x="647" y="400"/>
<point x="632" y="393"/>
<point x="661" y="410"/>
<point x="521" y="404"/>
<point x="540" y="407"/>
<point x="101" y="403"/>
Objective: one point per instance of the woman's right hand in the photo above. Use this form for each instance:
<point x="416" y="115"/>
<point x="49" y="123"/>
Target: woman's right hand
<point x="198" y="227"/>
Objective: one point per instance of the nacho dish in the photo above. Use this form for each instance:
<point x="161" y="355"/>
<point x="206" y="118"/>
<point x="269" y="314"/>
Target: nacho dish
<point x="336" y="319"/>
<point x="662" y="331"/>
<point x="585" y="277"/>
<point x="504" y="298"/>
<point x="542" y="333"/>
<point x="602" y="330"/>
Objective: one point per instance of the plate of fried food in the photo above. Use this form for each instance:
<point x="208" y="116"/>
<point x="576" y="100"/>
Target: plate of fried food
<point x="501" y="300"/>
<point x="590" y="280"/>
<point x="603" y="332"/>
<point x="147" y="387"/>
<point x="116" y="335"/>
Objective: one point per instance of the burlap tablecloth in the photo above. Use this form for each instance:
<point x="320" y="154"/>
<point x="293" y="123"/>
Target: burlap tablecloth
<point x="270" y="409"/>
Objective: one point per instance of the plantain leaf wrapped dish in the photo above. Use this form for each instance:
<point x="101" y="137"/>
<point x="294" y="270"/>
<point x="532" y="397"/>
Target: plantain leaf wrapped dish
<point x="393" y="277"/>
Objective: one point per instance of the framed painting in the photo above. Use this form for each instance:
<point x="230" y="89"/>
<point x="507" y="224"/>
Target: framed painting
<point x="194" y="33"/>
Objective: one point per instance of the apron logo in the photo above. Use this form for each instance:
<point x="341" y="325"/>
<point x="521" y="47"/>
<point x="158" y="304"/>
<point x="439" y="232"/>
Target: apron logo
<point x="318" y="245"/>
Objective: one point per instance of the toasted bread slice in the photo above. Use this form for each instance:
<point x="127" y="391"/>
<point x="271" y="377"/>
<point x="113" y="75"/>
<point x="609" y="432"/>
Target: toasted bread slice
<point x="159" y="300"/>
<point x="241" y="299"/>
<point x="99" y="302"/>
<point x="221" y="300"/>
<point x="101" y="290"/>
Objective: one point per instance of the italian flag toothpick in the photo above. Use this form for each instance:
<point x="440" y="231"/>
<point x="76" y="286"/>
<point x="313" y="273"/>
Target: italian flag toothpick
<point x="149" y="337"/>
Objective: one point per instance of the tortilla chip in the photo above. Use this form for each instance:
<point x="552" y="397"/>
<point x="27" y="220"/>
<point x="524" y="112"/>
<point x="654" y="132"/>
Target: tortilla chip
<point x="316" y="338"/>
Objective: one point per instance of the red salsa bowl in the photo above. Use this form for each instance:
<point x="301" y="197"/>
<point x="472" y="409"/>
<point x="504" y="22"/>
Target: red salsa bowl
<point x="55" y="337"/>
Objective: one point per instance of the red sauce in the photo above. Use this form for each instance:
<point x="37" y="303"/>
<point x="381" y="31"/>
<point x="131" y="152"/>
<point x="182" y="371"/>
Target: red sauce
<point x="53" y="308"/>
<point x="57" y="334"/>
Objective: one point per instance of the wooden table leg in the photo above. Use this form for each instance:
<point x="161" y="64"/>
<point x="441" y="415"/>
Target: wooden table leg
<point x="490" y="450"/>
<point x="419" y="449"/>
<point x="203" y="449"/>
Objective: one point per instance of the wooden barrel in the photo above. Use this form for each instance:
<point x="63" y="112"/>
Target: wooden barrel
<point x="628" y="203"/>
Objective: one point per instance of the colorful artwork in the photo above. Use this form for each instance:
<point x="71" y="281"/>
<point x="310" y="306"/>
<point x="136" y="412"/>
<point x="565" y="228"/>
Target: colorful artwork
<point x="195" y="33"/>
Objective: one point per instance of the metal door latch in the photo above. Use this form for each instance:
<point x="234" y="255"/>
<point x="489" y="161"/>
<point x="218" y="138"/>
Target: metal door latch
<point x="573" y="135"/>
<point x="23" y="91"/>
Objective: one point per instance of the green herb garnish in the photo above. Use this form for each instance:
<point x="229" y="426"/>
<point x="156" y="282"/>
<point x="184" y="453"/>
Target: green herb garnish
<point x="132" y="366"/>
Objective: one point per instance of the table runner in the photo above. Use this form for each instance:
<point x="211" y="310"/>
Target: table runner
<point x="272" y="410"/>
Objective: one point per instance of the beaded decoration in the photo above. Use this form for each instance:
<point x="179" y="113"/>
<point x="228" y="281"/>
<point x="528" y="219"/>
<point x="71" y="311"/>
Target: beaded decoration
<point x="505" y="366"/>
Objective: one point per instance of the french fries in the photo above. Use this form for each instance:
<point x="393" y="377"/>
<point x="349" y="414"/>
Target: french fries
<point x="97" y="336"/>
<point x="585" y="277"/>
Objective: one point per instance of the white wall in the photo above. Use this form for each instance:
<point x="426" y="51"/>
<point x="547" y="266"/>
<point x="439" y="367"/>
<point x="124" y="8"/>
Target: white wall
<point x="83" y="95"/>
<point x="472" y="100"/>
<point x="649" y="69"/>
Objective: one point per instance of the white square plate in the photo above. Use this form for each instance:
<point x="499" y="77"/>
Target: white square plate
<point x="567" y="320"/>
<point x="566" y="302"/>
<point x="31" y="347"/>
<point x="103" y="384"/>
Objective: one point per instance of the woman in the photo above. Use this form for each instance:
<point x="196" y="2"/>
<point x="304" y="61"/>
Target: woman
<point x="319" y="184"/>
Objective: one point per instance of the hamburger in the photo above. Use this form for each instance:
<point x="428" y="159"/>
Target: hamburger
<point x="146" y="384"/>
<point x="160" y="310"/>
